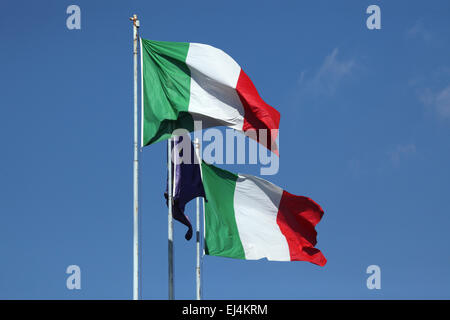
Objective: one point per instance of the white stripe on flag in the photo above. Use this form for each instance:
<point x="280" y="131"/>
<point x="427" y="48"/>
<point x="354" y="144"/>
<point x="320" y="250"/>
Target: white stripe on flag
<point x="213" y="96"/>
<point x="256" y="204"/>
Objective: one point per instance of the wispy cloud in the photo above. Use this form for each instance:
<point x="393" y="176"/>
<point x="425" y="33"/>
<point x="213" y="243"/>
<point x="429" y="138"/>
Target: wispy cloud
<point x="418" y="30"/>
<point x="402" y="151"/>
<point x="438" y="100"/>
<point x="442" y="102"/>
<point x="328" y="76"/>
<point x="433" y="91"/>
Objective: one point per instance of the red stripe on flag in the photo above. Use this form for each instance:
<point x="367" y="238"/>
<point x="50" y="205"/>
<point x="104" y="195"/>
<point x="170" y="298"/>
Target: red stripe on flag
<point x="297" y="217"/>
<point x="258" y="114"/>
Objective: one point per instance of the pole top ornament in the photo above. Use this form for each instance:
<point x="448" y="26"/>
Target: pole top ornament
<point x="135" y="20"/>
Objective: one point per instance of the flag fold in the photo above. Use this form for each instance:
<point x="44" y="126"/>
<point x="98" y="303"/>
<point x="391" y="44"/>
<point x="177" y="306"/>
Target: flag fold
<point x="185" y="82"/>
<point x="186" y="182"/>
<point x="250" y="218"/>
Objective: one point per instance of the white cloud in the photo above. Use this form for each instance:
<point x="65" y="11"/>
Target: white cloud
<point x="402" y="151"/>
<point x="443" y="102"/>
<point x="439" y="101"/>
<point x="426" y="96"/>
<point x="418" y="30"/>
<point x="327" y="78"/>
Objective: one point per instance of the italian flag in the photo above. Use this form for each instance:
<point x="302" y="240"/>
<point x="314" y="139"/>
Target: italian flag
<point x="247" y="217"/>
<point x="184" y="82"/>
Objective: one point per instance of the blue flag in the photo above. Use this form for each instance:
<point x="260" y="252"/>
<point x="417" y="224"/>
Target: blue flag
<point x="187" y="183"/>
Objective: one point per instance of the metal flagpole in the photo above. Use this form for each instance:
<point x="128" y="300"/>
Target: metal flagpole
<point x="203" y="208"/>
<point x="170" y="218"/>
<point x="135" y="169"/>
<point x="198" y="269"/>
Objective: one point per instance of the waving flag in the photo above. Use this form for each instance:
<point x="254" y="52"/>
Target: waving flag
<point x="184" y="82"/>
<point x="187" y="184"/>
<point x="250" y="218"/>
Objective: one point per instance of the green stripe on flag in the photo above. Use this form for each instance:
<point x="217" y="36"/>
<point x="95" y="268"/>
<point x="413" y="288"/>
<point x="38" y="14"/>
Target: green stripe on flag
<point x="221" y="232"/>
<point x="166" y="89"/>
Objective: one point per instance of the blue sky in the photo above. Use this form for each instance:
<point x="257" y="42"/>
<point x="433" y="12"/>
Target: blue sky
<point x="365" y="122"/>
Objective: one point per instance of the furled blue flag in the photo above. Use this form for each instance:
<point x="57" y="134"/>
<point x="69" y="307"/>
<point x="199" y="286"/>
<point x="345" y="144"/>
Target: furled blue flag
<point x="187" y="181"/>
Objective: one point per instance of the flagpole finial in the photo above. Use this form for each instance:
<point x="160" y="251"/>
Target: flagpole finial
<point x="135" y="20"/>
